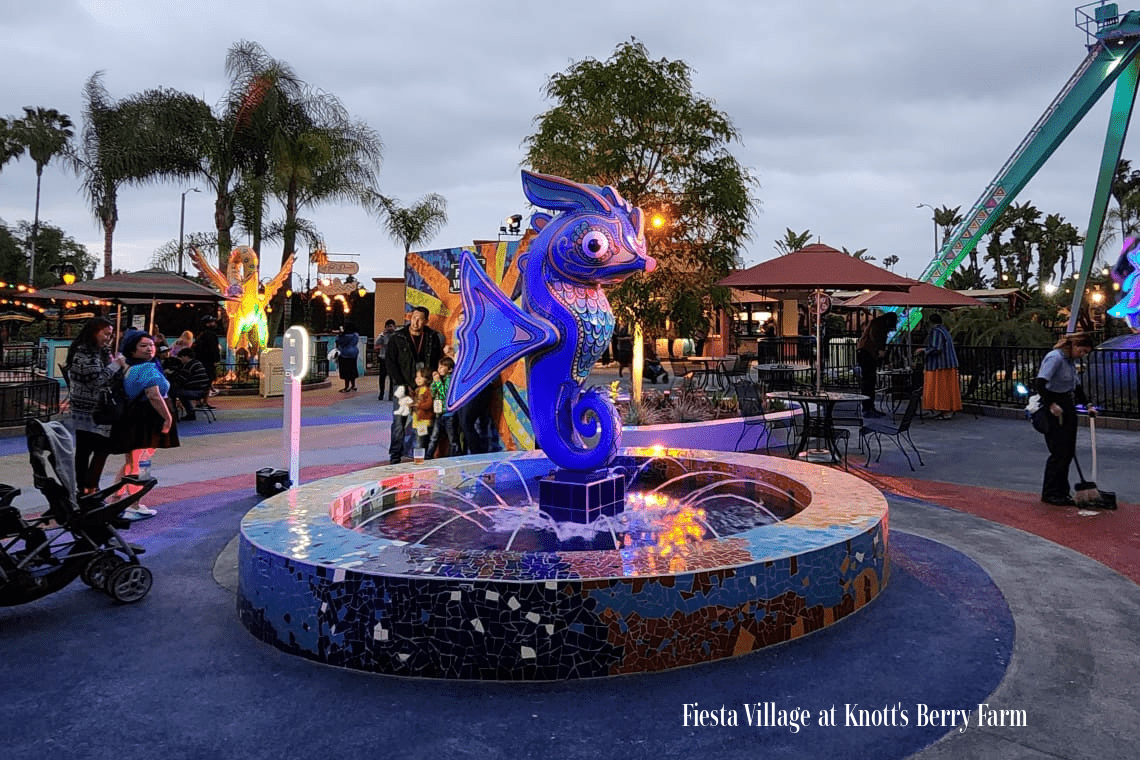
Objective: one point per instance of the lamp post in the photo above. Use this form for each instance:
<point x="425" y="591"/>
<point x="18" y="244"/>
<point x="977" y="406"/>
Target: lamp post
<point x="935" y="212"/>
<point x="182" y="225"/>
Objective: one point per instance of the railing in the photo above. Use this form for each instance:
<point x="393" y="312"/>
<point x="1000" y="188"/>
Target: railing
<point x="24" y="395"/>
<point x="245" y="375"/>
<point x="1003" y="375"/>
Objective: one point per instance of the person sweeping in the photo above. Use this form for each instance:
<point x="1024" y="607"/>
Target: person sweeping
<point x="1059" y="386"/>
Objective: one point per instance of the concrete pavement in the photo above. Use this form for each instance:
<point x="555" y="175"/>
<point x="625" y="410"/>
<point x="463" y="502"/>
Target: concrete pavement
<point x="177" y="675"/>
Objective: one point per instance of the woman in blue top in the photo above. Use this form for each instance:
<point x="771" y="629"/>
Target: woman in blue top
<point x="347" y="343"/>
<point x="149" y="423"/>
<point x="941" y="391"/>
<point x="1060" y="389"/>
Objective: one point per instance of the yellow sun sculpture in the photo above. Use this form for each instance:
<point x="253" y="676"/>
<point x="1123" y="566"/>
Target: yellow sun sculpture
<point x="248" y="327"/>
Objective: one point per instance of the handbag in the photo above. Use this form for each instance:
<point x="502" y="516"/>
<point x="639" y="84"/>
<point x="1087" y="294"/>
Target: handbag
<point x="1042" y="420"/>
<point x="334" y="354"/>
<point x="111" y="403"/>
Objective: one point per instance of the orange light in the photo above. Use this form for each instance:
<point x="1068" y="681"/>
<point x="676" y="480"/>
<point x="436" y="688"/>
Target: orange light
<point x="658" y="221"/>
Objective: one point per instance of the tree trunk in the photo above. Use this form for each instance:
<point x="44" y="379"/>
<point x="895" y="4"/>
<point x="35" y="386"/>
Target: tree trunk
<point x="35" y="230"/>
<point x="223" y="223"/>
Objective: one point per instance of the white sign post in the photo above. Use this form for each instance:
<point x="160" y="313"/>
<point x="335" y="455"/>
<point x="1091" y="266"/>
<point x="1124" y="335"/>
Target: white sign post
<point x="295" y="346"/>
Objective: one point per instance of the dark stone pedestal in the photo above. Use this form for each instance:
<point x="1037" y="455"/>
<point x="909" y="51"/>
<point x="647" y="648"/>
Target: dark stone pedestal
<point x="581" y="497"/>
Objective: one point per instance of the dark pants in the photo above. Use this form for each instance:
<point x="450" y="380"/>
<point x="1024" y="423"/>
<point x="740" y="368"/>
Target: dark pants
<point x="1062" y="442"/>
<point x="868" y="377"/>
<point x="91" y="452"/>
<point x="401" y="429"/>
<point x="186" y="397"/>
<point x="383" y="376"/>
<point x="449" y="426"/>
<point x="474" y="420"/>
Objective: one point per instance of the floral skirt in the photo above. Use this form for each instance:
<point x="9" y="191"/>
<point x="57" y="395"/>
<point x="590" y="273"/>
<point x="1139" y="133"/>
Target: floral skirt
<point x="941" y="391"/>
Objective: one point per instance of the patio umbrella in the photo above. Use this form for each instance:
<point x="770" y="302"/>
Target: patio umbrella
<point x="149" y="286"/>
<point x="140" y="287"/>
<point x="820" y="268"/>
<point x="920" y="294"/>
<point x="816" y="267"/>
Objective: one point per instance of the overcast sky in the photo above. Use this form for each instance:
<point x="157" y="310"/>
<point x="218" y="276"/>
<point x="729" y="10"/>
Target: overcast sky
<point x="851" y="113"/>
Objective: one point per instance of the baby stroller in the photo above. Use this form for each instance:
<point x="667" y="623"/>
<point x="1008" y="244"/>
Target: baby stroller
<point x="73" y="537"/>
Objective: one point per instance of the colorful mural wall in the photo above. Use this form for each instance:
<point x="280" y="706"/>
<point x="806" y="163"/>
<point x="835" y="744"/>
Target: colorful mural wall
<point x="432" y="280"/>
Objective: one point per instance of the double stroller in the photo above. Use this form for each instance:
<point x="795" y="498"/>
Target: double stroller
<point x="74" y="537"/>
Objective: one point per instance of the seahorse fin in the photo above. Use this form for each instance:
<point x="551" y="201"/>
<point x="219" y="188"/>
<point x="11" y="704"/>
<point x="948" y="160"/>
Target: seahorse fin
<point x="494" y="333"/>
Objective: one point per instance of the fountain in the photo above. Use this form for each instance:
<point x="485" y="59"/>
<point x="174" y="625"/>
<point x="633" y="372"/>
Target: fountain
<point x="581" y="560"/>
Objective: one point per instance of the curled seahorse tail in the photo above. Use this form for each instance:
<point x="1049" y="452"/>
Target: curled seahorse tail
<point x="583" y="415"/>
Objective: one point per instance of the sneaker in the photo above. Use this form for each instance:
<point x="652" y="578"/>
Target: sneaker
<point x="138" y="512"/>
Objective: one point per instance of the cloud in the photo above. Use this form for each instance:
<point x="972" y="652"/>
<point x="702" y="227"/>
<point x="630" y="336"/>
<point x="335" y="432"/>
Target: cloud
<point x="850" y="114"/>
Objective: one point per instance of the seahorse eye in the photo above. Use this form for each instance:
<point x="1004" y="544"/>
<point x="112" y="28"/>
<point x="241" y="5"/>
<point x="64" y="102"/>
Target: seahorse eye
<point x="595" y="245"/>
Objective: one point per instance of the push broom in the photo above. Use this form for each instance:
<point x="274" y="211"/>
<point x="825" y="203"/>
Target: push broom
<point x="1085" y="493"/>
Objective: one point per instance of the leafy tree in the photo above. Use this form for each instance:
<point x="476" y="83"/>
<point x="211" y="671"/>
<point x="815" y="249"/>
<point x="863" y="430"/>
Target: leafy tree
<point x="10" y="146"/>
<point x="792" y="241"/>
<point x="55" y="247"/>
<point x="416" y="224"/>
<point x="636" y="124"/>
<point x="890" y="261"/>
<point x="966" y="279"/>
<point x="993" y="327"/>
<point x="143" y="138"/>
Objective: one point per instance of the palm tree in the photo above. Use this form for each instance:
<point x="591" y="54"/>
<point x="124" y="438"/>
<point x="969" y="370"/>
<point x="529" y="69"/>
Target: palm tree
<point x="143" y="138"/>
<point x="325" y="157"/>
<point x="890" y="261"/>
<point x="45" y="132"/>
<point x="416" y="224"/>
<point x="10" y="146"/>
<point x="1055" y="241"/>
<point x="860" y="254"/>
<point x="792" y="241"/>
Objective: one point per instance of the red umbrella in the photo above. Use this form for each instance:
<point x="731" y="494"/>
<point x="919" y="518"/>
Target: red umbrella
<point x="920" y="294"/>
<point x="816" y="267"/>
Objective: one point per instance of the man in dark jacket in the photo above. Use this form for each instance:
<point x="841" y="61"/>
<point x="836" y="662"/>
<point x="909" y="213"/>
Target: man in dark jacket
<point x="189" y="381"/>
<point x="413" y="346"/>
<point x="870" y="350"/>
<point x="206" y="348"/>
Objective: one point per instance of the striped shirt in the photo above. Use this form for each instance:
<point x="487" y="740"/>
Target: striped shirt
<point x="940" y="349"/>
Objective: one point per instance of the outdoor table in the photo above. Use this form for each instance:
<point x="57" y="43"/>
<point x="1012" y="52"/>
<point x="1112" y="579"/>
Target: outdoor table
<point x="713" y="370"/>
<point x="818" y="410"/>
<point x="896" y="384"/>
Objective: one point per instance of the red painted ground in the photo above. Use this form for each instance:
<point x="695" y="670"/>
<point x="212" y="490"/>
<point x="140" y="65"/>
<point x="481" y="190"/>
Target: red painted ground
<point x="1112" y="538"/>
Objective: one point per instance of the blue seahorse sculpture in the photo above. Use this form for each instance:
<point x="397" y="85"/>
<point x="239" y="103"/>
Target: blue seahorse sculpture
<point x="565" y="321"/>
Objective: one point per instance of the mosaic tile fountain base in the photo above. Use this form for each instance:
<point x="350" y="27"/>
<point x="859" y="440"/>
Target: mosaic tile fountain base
<point x="317" y="589"/>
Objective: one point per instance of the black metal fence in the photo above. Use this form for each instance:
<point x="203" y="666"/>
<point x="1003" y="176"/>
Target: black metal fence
<point x="244" y="374"/>
<point x="24" y="395"/>
<point x="999" y="376"/>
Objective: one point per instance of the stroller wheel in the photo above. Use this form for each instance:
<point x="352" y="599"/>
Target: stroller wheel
<point x="129" y="583"/>
<point x="99" y="569"/>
